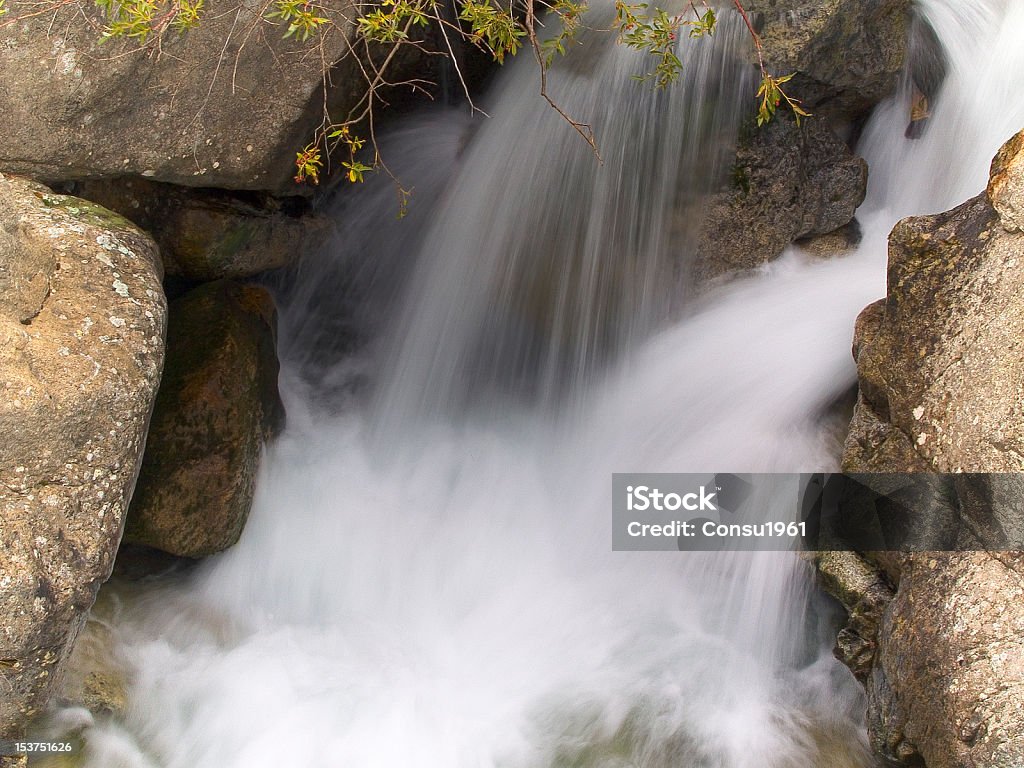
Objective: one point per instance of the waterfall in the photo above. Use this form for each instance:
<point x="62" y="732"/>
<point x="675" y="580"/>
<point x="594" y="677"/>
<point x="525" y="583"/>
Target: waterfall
<point x="543" y="264"/>
<point x="427" y="578"/>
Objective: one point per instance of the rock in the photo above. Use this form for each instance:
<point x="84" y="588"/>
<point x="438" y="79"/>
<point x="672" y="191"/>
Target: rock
<point x="835" y="243"/>
<point x="94" y="680"/>
<point x="210" y="234"/>
<point x="788" y="183"/>
<point x="847" y="55"/>
<point x="791" y="183"/>
<point x="948" y="684"/>
<point x="226" y="104"/>
<point x="941" y="360"/>
<point x="218" y="403"/>
<point x="82" y="318"/>
<point x="864" y="592"/>
<point x="941" y="375"/>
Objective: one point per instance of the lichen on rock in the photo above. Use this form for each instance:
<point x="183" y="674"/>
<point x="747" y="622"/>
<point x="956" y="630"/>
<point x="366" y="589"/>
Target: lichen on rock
<point x="941" y="376"/>
<point x="82" y="320"/>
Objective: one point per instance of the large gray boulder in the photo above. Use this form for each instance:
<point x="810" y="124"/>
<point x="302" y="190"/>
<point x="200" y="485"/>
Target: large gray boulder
<point x="82" y="317"/>
<point x="941" y="367"/>
<point x="226" y="104"/>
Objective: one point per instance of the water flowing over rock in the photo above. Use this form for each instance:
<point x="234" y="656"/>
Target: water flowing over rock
<point x="218" y="403"/>
<point x="82" y="318"/>
<point x="941" y="367"/>
<point x="226" y="104"/>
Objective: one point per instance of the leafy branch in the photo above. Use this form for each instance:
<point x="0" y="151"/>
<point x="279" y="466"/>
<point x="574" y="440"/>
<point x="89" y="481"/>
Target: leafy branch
<point x="769" y="92"/>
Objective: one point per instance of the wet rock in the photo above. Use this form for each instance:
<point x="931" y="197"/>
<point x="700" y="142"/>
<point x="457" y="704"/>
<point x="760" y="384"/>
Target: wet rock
<point x="836" y="243"/>
<point x="788" y="183"/>
<point x="82" y="318"/>
<point x="218" y="404"/>
<point x="94" y="679"/>
<point x="863" y="590"/>
<point x="226" y="104"/>
<point x="211" y="234"/>
<point x="791" y="183"/>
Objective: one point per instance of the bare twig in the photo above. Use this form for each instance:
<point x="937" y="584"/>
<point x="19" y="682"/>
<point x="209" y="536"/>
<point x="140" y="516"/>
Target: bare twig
<point x="583" y="129"/>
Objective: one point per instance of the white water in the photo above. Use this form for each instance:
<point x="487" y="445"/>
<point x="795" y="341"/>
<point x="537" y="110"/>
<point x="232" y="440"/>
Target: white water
<point x="449" y="598"/>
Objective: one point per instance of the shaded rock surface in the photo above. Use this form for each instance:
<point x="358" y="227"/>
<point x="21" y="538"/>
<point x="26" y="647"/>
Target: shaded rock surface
<point x="208" y="234"/>
<point x="226" y="104"/>
<point x="82" y="318"/>
<point x="941" y="368"/>
<point x="847" y="54"/>
<point x="217" y="405"/>
<point x="791" y="183"/>
<point x="788" y="183"/>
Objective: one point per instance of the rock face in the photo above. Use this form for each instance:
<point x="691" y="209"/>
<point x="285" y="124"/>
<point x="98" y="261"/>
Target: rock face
<point x="218" y="403"/>
<point x="788" y="183"/>
<point x="948" y="680"/>
<point x="941" y="367"/>
<point x="210" y="234"/>
<point x="847" y="54"/>
<point x="226" y="104"/>
<point x="941" y="359"/>
<point x="82" y="318"/>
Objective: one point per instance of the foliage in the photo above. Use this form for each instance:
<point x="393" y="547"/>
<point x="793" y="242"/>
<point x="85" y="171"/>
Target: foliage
<point x="568" y="14"/>
<point x="140" y="19"/>
<point x="655" y="32"/>
<point x="301" y="18"/>
<point x="771" y="95"/>
<point x="3" y="7"/>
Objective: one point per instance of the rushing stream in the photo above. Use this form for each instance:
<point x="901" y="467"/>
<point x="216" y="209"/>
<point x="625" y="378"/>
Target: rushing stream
<point x="427" y="579"/>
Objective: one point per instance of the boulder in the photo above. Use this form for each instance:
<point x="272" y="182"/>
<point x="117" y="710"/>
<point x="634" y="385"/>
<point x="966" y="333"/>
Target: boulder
<point x="789" y="182"/>
<point x="941" y="378"/>
<point x="847" y="55"/>
<point x="218" y="404"/>
<point x="940" y="360"/>
<point x="207" y="234"/>
<point x="947" y="686"/>
<point x="226" y="104"/>
<point x="82" y="318"/>
<point x="800" y="183"/>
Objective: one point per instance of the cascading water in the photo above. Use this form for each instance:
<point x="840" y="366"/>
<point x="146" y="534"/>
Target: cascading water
<point x="459" y="603"/>
<point x="543" y="264"/>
